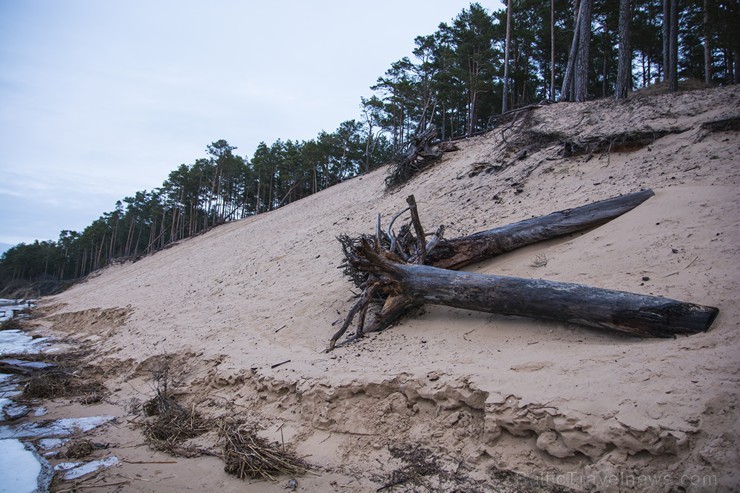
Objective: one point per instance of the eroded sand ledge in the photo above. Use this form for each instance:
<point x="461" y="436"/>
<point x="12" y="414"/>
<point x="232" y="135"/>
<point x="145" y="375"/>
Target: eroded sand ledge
<point x="559" y="403"/>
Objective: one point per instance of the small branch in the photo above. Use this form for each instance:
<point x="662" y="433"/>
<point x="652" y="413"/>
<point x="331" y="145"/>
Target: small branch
<point x="435" y="239"/>
<point x="692" y="262"/>
<point x="368" y="295"/>
<point x="149" y="461"/>
<point x="394" y="240"/>
<point x="377" y="235"/>
<point x="360" y="305"/>
<point x="280" y="364"/>
<point x="420" y="239"/>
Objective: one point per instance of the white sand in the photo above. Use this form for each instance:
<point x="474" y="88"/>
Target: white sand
<point x="556" y="402"/>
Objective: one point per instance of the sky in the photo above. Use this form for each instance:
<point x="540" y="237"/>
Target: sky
<point x="100" y="99"/>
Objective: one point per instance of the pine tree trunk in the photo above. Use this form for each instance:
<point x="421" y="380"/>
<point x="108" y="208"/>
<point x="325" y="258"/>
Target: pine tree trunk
<point x="409" y="285"/>
<point x="582" y="59"/>
<point x="624" y="68"/>
<point x="604" y="68"/>
<point x="666" y="37"/>
<point x="505" y="101"/>
<point x="552" y="50"/>
<point x="673" y="48"/>
<point x="707" y="47"/>
<point x="566" y="92"/>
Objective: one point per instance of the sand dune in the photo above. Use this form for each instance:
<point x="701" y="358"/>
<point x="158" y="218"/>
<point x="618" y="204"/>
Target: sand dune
<point x="559" y="403"/>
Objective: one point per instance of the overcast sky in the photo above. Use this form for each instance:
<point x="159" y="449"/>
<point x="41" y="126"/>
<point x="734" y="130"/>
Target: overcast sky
<point x="100" y="99"/>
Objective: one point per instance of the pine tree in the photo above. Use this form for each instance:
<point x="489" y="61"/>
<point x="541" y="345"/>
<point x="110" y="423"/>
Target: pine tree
<point x="624" y="69"/>
<point x="507" y="50"/>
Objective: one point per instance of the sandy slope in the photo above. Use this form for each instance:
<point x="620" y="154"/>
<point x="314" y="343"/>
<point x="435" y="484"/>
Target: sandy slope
<point x="560" y="403"/>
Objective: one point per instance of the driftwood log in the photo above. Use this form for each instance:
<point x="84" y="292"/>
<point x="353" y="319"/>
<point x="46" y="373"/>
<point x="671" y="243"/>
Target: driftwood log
<point x="459" y="252"/>
<point x="398" y="276"/>
<point x="618" y="310"/>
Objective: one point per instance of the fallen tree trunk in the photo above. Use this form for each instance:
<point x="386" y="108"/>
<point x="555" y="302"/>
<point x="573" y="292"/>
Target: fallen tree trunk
<point x="398" y="278"/>
<point x="636" y="314"/>
<point x="459" y="252"/>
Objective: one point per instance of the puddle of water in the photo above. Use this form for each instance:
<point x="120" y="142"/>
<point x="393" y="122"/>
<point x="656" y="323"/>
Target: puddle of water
<point x="34" y="469"/>
<point x="21" y="468"/>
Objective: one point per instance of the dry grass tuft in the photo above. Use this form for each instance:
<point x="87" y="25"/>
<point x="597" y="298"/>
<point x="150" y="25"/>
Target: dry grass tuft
<point x="168" y="430"/>
<point x="170" y="424"/>
<point x="249" y="456"/>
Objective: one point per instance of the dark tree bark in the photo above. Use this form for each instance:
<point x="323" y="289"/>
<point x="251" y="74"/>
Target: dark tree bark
<point x="459" y="252"/>
<point x="666" y="37"/>
<point x="624" y="67"/>
<point x="673" y="48"/>
<point x="582" y="59"/>
<point x="398" y="276"/>
<point x="575" y="80"/>
<point x="507" y="49"/>
<point x="641" y="315"/>
<point x="707" y="47"/>
<point x="552" y="50"/>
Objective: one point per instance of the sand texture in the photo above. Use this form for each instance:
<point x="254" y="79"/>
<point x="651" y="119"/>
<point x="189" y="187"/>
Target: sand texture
<point x="481" y="394"/>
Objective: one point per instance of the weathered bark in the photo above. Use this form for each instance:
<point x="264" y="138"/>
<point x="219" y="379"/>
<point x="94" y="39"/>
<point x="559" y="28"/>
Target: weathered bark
<point x="397" y="277"/>
<point x="459" y="252"/>
<point x="641" y="315"/>
<point x="724" y="125"/>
